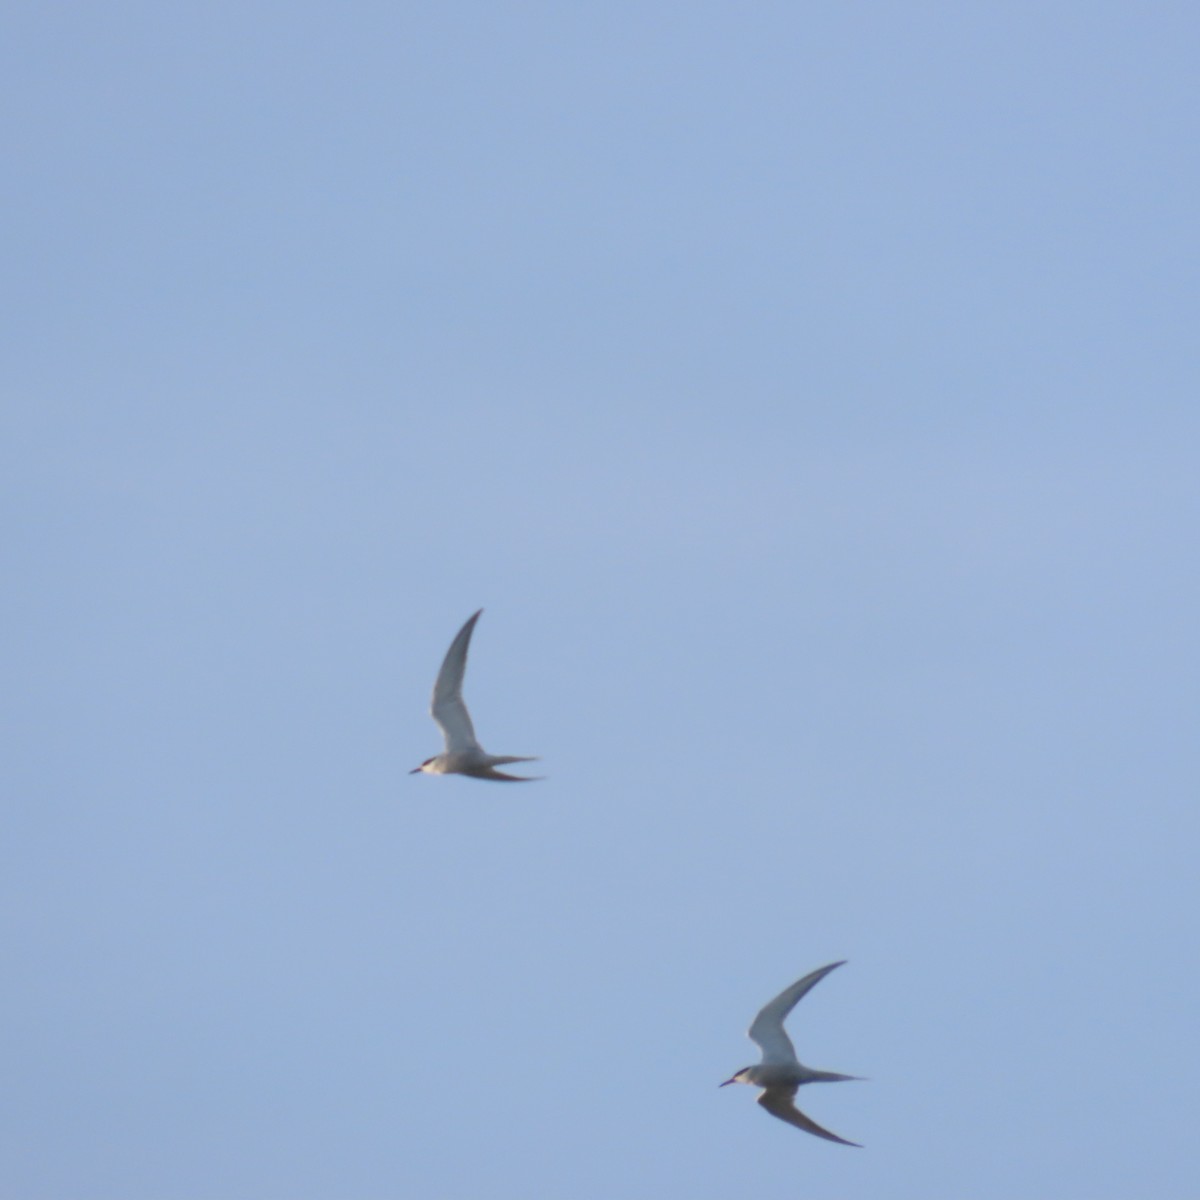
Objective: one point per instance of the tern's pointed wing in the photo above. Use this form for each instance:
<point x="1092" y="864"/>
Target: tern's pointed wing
<point x="447" y="706"/>
<point x="781" y="1103"/>
<point x="767" y="1029"/>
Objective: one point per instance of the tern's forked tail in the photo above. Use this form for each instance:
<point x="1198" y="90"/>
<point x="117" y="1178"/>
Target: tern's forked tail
<point x="494" y="760"/>
<point x="828" y="1076"/>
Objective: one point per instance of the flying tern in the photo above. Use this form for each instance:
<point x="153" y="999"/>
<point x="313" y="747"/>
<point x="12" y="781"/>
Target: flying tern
<point x="780" y="1073"/>
<point x="463" y="754"/>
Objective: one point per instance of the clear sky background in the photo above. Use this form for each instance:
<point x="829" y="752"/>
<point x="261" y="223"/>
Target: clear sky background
<point x="809" y="395"/>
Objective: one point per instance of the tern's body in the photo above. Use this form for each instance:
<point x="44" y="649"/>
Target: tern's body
<point x="463" y="754"/>
<point x="781" y="1074"/>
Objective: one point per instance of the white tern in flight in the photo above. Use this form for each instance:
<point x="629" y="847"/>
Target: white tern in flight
<point x="463" y="754"/>
<point x="780" y="1073"/>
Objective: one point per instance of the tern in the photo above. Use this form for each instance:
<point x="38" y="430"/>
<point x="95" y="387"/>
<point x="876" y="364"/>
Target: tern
<point x="463" y="754"/>
<point x="780" y="1073"/>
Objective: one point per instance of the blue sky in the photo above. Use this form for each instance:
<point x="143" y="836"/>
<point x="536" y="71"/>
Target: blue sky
<point x="808" y="395"/>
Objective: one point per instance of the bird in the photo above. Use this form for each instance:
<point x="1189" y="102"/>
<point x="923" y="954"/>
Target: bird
<point x="463" y="754"/>
<point x="780" y="1073"/>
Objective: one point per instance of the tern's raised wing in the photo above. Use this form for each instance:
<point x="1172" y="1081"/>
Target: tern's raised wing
<point x="781" y="1103"/>
<point x="447" y="707"/>
<point x="767" y="1028"/>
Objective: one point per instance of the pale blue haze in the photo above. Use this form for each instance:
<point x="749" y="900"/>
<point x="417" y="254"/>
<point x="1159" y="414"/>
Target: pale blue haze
<point x="808" y="394"/>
